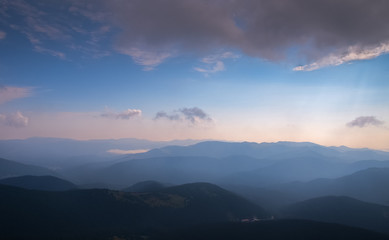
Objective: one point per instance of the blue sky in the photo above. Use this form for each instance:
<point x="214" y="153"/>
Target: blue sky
<point x="160" y="71"/>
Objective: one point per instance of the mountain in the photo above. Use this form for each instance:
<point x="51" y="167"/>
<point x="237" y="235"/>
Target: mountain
<point x="274" y="151"/>
<point x="213" y="202"/>
<point x="145" y="186"/>
<point x="45" y="183"/>
<point x="103" y="214"/>
<point x="176" y="170"/>
<point x="274" y="230"/>
<point x="370" y="185"/>
<point x="269" y="199"/>
<point x="10" y="168"/>
<point x="303" y="167"/>
<point x="342" y="210"/>
<point x="59" y="153"/>
<point x="234" y="169"/>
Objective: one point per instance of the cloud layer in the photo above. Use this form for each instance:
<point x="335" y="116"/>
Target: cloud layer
<point x="319" y="33"/>
<point x="365" y="121"/>
<point x="261" y="28"/>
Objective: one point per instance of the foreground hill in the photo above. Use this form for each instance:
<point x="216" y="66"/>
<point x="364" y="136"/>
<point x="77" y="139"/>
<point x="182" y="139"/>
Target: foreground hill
<point x="45" y="183"/>
<point x="145" y="186"/>
<point x="343" y="210"/>
<point x="105" y="213"/>
<point x="275" y="230"/>
<point x="10" y="168"/>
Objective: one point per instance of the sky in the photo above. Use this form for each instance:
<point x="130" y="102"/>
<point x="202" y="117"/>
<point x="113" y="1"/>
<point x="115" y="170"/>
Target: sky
<point x="247" y="70"/>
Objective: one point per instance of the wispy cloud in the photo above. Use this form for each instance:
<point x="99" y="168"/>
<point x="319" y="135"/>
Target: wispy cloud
<point x="148" y="59"/>
<point x="125" y="115"/>
<point x="353" y="53"/>
<point x="193" y="115"/>
<point x="16" y="120"/>
<point x="54" y="53"/>
<point x="54" y="34"/>
<point x="9" y="93"/>
<point x="2" y="35"/>
<point x="365" y="121"/>
<point x="215" y="62"/>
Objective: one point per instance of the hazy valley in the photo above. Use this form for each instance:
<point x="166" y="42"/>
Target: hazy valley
<point x="165" y="190"/>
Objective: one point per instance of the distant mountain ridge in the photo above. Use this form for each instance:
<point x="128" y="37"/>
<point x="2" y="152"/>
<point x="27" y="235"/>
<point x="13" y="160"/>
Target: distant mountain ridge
<point x="44" y="183"/>
<point x="251" y="164"/>
<point x="60" y="153"/>
<point x="277" y="150"/>
<point x="10" y="168"/>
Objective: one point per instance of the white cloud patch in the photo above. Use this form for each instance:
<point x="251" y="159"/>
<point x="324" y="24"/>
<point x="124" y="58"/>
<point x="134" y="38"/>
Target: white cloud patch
<point x="353" y="53"/>
<point x="148" y="59"/>
<point x="365" y="121"/>
<point x="122" y="152"/>
<point x="16" y="120"/>
<point x="9" y="93"/>
<point x="2" y="35"/>
<point x="194" y="115"/>
<point x="125" y="115"/>
<point x="214" y="63"/>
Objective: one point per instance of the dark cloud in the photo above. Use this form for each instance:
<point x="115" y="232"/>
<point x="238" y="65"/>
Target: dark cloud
<point x="127" y="114"/>
<point x="260" y="28"/>
<point x="364" y="121"/>
<point x="152" y="31"/>
<point x="193" y="115"/>
<point x="162" y="114"/>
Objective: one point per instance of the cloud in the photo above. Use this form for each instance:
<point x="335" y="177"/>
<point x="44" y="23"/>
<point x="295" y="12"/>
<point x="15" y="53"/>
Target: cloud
<point x="16" y="120"/>
<point x="364" y="121"/>
<point x="353" y="53"/>
<point x="125" y="115"/>
<point x="53" y="27"/>
<point x="172" y="117"/>
<point x="193" y="115"/>
<point x="260" y="28"/>
<point x="148" y="59"/>
<point x="50" y="52"/>
<point x="9" y="93"/>
<point x="215" y="63"/>
<point x="2" y="35"/>
<point x="121" y="152"/>
<point x="322" y="33"/>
